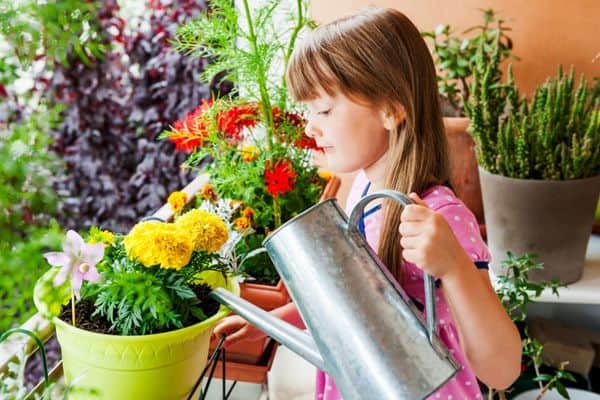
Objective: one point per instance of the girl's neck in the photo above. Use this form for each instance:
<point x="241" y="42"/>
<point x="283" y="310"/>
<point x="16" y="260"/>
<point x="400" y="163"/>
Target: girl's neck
<point x="376" y="173"/>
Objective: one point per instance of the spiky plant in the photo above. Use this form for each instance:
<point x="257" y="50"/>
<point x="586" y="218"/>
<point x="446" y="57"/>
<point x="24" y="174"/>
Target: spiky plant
<point x="555" y="136"/>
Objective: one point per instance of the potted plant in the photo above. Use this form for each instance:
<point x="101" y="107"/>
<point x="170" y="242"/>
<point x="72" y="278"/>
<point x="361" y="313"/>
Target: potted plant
<point x="131" y="312"/>
<point x="254" y="137"/>
<point x="454" y="57"/>
<point x="539" y="378"/>
<point x="539" y="165"/>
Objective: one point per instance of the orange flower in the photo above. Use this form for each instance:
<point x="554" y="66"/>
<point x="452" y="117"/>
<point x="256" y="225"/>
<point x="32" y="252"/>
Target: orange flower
<point x="190" y="132"/>
<point x="177" y="201"/>
<point x="281" y="178"/>
<point x="208" y="192"/>
<point x="248" y="213"/>
<point x="241" y="223"/>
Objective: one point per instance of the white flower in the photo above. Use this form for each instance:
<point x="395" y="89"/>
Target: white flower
<point x="78" y="259"/>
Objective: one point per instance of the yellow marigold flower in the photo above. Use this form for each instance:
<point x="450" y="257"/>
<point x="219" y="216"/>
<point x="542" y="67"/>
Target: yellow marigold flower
<point x="208" y="192"/>
<point x="177" y="201"/>
<point x="159" y="243"/>
<point x="99" y="236"/>
<point x="208" y="232"/>
<point x="249" y="153"/>
<point x="241" y="223"/>
<point x="324" y="174"/>
<point x="248" y="213"/>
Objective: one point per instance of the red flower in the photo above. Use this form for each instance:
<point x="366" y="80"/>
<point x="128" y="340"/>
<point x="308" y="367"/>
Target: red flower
<point x="295" y="123"/>
<point x="281" y="178"/>
<point x="235" y="119"/>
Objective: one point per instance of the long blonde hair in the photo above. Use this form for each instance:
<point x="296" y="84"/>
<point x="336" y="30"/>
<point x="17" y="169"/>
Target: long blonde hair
<point x="378" y="57"/>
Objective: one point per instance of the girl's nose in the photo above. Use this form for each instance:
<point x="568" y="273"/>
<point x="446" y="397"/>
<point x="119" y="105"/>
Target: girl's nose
<point x="311" y="130"/>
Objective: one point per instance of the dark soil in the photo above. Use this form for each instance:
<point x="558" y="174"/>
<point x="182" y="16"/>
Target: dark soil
<point x="99" y="324"/>
<point x="83" y="317"/>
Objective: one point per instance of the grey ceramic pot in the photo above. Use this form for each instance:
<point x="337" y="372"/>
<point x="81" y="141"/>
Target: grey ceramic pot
<point x="550" y="218"/>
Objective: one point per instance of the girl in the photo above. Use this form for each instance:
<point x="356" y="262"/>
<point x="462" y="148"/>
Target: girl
<point x="369" y="84"/>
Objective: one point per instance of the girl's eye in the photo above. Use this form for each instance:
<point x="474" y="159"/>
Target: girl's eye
<point x="324" y="112"/>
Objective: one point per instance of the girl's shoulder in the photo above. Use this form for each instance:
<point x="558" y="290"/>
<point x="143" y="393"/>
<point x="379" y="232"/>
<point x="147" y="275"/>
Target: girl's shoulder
<point x="439" y="196"/>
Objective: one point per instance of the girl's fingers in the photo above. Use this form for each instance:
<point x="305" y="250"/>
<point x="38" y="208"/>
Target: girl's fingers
<point x="410" y="255"/>
<point x="409" y="242"/>
<point x="409" y="228"/>
<point x="414" y="212"/>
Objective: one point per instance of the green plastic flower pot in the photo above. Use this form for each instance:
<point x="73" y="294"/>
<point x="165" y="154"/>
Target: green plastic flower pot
<point x="158" y="366"/>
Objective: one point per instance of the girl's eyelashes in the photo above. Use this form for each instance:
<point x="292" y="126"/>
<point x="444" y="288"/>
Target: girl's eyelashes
<point x="324" y="112"/>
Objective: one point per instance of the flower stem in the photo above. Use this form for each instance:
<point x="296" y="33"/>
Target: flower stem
<point x="276" y="212"/>
<point x="73" y="307"/>
<point x="288" y="52"/>
<point x="261" y="79"/>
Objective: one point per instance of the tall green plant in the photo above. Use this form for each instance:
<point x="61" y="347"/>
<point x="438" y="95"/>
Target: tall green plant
<point x="247" y="44"/>
<point x="554" y="136"/>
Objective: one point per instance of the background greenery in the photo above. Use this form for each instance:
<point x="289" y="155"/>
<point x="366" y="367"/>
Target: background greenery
<point x="83" y="94"/>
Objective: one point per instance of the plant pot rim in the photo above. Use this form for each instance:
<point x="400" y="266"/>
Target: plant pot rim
<point x="223" y="311"/>
<point x="589" y="178"/>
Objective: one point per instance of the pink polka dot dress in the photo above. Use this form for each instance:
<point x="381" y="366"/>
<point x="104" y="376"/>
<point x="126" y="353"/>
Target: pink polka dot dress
<point x="464" y="224"/>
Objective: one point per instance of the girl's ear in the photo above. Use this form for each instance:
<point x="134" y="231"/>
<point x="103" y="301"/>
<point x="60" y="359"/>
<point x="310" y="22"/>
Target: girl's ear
<point x="393" y="119"/>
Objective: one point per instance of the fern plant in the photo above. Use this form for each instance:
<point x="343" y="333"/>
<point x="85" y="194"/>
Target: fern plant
<point x="555" y="136"/>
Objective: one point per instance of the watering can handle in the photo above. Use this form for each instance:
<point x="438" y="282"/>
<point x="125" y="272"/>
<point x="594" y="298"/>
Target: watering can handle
<point x="429" y="283"/>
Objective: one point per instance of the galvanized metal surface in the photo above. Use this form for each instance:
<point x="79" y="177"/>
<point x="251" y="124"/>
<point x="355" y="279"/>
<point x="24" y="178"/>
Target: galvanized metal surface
<point x="367" y="330"/>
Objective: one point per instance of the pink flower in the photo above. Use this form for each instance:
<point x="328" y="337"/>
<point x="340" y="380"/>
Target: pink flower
<point x="77" y="260"/>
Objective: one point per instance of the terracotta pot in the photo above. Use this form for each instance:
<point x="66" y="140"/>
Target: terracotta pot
<point x="244" y="372"/>
<point x="550" y="218"/>
<point x="247" y="352"/>
<point x="464" y="173"/>
<point x="245" y="360"/>
<point x="331" y="188"/>
<point x="265" y="296"/>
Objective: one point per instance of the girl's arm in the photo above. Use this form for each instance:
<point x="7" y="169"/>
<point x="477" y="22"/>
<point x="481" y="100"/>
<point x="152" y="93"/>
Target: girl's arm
<point x="238" y="329"/>
<point x="489" y="339"/>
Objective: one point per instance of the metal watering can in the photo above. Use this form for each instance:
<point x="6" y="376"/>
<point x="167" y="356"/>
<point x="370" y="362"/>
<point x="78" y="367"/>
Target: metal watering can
<point x="366" y="332"/>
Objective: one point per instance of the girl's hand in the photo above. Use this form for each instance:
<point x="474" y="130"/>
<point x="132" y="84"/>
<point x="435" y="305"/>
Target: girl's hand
<point x="237" y="330"/>
<point x="428" y="241"/>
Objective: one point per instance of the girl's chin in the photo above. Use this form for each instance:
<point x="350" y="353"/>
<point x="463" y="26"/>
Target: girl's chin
<point x="337" y="166"/>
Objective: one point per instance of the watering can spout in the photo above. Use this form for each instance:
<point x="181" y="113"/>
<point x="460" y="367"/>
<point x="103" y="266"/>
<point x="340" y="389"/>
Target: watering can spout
<point x="295" y="339"/>
<point x="365" y="331"/>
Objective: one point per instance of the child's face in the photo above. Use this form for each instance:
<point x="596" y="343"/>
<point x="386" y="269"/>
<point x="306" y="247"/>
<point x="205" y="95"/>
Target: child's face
<point x="352" y="135"/>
